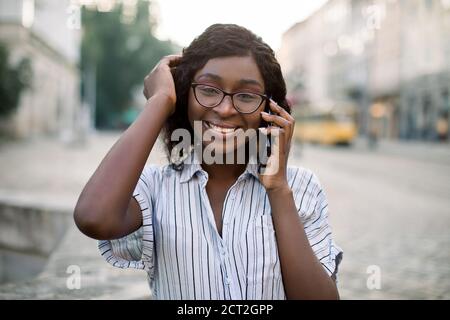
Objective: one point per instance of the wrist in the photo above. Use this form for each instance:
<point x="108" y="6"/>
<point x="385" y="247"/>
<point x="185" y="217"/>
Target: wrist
<point x="162" y="101"/>
<point x="280" y="190"/>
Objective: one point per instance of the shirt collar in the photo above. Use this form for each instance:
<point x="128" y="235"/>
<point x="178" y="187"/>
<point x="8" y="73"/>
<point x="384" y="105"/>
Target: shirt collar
<point x="192" y="165"/>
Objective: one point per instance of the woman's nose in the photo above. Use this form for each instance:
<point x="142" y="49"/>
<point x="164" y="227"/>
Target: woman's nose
<point x="226" y="107"/>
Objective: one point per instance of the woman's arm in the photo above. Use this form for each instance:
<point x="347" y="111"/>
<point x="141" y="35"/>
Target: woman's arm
<point x="105" y="208"/>
<point x="303" y="275"/>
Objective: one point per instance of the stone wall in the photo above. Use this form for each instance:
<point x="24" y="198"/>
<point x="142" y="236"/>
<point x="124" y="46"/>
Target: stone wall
<point x="28" y="236"/>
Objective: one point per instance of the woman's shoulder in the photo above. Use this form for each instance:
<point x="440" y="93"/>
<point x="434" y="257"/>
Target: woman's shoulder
<point x="307" y="190"/>
<point x="299" y="176"/>
<point x="160" y="172"/>
<point x="152" y="169"/>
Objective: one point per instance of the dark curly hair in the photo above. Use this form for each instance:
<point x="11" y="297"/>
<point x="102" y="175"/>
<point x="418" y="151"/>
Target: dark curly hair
<point x="221" y="40"/>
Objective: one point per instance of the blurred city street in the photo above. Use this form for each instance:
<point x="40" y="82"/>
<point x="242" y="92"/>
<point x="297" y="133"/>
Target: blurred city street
<point x="389" y="209"/>
<point x="368" y="83"/>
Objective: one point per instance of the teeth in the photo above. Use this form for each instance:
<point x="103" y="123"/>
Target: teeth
<point x="221" y="129"/>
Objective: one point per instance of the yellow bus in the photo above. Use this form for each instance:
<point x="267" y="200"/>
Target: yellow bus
<point x="331" y="126"/>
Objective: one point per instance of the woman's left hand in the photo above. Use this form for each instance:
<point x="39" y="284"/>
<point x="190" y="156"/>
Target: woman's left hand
<point x="273" y="176"/>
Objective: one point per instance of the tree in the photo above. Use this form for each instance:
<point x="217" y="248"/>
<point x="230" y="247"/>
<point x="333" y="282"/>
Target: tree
<point x="13" y="80"/>
<point x="122" y="53"/>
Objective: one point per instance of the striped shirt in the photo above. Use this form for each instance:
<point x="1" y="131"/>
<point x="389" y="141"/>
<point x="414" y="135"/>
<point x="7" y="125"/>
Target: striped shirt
<point x="185" y="257"/>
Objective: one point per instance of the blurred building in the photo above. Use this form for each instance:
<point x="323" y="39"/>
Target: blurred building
<point x="47" y="32"/>
<point x="390" y="57"/>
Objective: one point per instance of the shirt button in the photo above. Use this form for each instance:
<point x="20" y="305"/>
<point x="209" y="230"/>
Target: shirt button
<point x="228" y="280"/>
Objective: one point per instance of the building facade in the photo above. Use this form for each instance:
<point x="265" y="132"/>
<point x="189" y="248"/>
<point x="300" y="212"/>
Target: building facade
<point x="389" y="57"/>
<point x="47" y="33"/>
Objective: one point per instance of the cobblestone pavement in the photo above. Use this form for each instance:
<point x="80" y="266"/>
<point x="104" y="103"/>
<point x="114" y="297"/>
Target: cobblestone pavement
<point x="390" y="208"/>
<point x="47" y="173"/>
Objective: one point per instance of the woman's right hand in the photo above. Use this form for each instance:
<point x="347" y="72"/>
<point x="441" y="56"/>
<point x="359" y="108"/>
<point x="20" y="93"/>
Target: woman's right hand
<point x="160" y="80"/>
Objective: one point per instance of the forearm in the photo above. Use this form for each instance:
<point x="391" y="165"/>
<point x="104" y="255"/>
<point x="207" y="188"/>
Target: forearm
<point x="303" y="275"/>
<point x="107" y="194"/>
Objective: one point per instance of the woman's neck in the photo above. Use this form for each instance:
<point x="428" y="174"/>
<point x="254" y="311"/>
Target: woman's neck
<point x="225" y="171"/>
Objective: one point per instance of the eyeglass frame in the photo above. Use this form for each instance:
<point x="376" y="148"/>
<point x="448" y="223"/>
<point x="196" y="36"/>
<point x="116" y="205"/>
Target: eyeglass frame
<point x="195" y="84"/>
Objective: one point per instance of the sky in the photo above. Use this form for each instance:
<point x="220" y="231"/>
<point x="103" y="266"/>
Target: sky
<point x="182" y="20"/>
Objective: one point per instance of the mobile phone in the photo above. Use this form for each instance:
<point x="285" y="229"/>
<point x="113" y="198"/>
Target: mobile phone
<point x="265" y="124"/>
<point x="268" y="143"/>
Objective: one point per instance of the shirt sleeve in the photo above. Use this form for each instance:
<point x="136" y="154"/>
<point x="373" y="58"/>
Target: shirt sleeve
<point x="135" y="250"/>
<point x="312" y="206"/>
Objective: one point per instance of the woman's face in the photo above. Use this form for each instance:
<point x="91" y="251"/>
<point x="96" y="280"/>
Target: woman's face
<point x="231" y="74"/>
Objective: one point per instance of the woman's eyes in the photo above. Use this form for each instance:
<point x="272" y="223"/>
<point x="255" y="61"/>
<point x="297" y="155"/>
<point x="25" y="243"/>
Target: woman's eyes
<point x="246" y="96"/>
<point x="209" y="90"/>
<point x="243" y="96"/>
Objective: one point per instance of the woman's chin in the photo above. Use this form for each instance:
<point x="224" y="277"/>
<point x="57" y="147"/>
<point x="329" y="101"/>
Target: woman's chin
<point x="220" y="150"/>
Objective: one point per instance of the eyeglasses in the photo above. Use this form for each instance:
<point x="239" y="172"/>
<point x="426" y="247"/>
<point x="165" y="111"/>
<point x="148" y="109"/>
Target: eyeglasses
<point x="211" y="97"/>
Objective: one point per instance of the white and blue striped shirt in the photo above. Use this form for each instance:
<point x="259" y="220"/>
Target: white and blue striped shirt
<point x="184" y="255"/>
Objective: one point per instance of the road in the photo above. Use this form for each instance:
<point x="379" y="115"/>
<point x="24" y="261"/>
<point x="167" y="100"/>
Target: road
<point x="390" y="212"/>
<point x="389" y="207"/>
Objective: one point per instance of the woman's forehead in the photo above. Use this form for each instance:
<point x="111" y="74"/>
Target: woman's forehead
<point x="241" y="70"/>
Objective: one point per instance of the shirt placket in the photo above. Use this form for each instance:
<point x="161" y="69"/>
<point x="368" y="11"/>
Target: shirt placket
<point x="230" y="279"/>
<point x="223" y="245"/>
<point x="232" y="290"/>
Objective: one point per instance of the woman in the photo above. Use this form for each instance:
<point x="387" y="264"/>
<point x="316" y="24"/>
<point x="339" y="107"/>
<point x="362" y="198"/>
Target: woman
<point x="213" y="229"/>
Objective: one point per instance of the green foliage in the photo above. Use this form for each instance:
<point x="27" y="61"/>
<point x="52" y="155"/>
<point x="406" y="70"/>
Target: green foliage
<point x="13" y="80"/>
<point x="122" y="55"/>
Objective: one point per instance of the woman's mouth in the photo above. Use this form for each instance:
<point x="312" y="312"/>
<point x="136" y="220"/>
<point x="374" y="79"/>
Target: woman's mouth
<point x="222" y="129"/>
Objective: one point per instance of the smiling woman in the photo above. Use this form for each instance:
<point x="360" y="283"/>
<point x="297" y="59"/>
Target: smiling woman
<point x="209" y="104"/>
<point x="220" y="230"/>
<point x="230" y="60"/>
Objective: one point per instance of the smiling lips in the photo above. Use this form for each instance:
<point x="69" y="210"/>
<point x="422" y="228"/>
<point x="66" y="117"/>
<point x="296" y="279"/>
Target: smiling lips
<point x="222" y="129"/>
